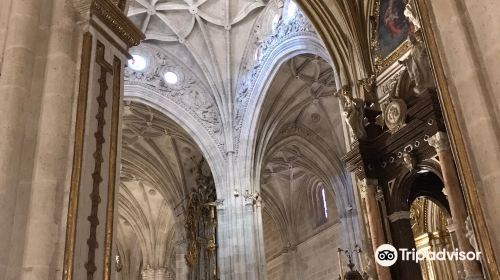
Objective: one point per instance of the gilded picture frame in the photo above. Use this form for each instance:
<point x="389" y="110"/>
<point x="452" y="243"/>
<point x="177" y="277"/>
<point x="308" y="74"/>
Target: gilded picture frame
<point x="389" y="33"/>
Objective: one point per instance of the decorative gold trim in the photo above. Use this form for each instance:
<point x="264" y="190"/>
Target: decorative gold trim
<point x="95" y="196"/>
<point x="116" y="20"/>
<point x="112" y="40"/>
<point x="76" y="172"/>
<point x="457" y="144"/>
<point x="113" y="151"/>
<point x="381" y="63"/>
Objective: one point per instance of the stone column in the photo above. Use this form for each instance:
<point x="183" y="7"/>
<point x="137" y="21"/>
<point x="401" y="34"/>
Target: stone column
<point x="164" y="274"/>
<point x="290" y="262"/>
<point x="402" y="236"/>
<point x="148" y="274"/>
<point x="51" y="154"/>
<point x="376" y="224"/>
<point x="15" y="86"/>
<point x="457" y="204"/>
<point x="240" y="251"/>
<point x="239" y="230"/>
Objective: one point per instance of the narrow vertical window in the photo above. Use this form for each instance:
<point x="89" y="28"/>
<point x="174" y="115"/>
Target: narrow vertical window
<point x="325" y="208"/>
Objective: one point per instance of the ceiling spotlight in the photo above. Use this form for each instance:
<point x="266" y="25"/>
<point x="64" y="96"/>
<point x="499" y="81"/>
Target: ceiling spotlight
<point x="171" y="78"/>
<point x="137" y="63"/>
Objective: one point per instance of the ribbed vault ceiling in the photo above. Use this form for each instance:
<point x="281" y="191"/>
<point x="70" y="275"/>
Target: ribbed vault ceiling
<point x="159" y="167"/>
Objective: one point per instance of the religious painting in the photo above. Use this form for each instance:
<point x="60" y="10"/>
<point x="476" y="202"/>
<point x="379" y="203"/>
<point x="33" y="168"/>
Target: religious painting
<point x="390" y="31"/>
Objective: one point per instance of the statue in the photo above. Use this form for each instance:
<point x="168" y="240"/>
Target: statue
<point x="418" y="66"/>
<point x="469" y="233"/>
<point x="354" y="113"/>
<point x="368" y="87"/>
<point x="409" y="13"/>
<point x="417" y="63"/>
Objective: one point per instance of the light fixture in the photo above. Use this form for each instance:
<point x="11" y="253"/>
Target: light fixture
<point x="171" y="78"/>
<point x="137" y="63"/>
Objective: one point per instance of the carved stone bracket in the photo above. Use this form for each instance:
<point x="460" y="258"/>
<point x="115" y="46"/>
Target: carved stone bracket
<point x="439" y="141"/>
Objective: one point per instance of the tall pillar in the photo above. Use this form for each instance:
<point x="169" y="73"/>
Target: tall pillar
<point x="375" y="224"/>
<point x="402" y="236"/>
<point x="164" y="274"/>
<point x="148" y="274"/>
<point x="107" y="35"/>
<point x="51" y="154"/>
<point x="457" y="204"/>
<point x="241" y="254"/>
<point x="239" y="230"/>
<point x="15" y="86"/>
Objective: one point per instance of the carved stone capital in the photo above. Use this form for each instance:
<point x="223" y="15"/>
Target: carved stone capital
<point x="400" y="215"/>
<point x="369" y="182"/>
<point x="439" y="141"/>
<point x="82" y="7"/>
<point x="369" y="185"/>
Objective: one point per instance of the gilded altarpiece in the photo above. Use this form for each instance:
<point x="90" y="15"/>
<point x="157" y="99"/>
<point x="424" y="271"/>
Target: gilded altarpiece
<point x="430" y="230"/>
<point x="201" y="227"/>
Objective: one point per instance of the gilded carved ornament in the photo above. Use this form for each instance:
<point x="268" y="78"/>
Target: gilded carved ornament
<point x="111" y="14"/>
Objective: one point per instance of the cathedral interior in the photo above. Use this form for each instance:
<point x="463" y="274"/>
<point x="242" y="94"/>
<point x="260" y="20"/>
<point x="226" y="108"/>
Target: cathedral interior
<point x="249" y="140"/>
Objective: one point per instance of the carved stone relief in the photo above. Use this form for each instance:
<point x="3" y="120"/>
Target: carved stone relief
<point x="189" y="92"/>
<point x="395" y="114"/>
<point x="262" y="49"/>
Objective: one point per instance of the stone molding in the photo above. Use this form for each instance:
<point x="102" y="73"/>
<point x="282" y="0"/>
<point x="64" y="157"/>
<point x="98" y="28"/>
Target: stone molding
<point x="189" y="93"/>
<point x="400" y="215"/>
<point x="266" y="50"/>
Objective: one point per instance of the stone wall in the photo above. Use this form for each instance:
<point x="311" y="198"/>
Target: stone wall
<point x="314" y="258"/>
<point x="470" y="52"/>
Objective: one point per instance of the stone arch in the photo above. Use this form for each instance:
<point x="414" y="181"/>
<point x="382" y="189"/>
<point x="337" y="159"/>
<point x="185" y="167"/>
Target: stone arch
<point x="187" y="122"/>
<point x="281" y="54"/>
<point x="401" y="196"/>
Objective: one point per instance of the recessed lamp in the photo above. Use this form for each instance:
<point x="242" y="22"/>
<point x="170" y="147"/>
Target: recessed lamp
<point x="171" y="78"/>
<point x="137" y="63"/>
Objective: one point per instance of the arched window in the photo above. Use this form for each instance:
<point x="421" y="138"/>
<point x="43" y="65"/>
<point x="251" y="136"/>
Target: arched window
<point x="319" y="205"/>
<point x="323" y="198"/>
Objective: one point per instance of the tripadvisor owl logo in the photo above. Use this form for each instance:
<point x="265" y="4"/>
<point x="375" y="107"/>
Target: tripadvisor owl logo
<point x="386" y="255"/>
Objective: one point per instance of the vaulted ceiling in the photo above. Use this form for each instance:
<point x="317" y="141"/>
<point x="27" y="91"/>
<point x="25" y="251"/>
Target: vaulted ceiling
<point x="159" y="167"/>
<point x="300" y="140"/>
<point x="223" y="52"/>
